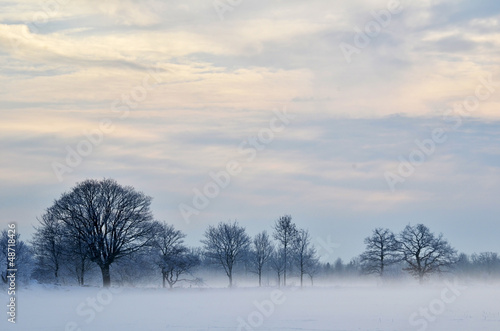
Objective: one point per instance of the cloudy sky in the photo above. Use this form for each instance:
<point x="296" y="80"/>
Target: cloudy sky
<point x="389" y="113"/>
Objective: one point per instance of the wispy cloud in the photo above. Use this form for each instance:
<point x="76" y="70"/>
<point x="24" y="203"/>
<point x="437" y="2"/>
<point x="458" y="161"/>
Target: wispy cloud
<point x="65" y="67"/>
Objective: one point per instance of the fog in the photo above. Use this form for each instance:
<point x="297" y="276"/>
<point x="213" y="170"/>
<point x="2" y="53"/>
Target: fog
<point x="341" y="304"/>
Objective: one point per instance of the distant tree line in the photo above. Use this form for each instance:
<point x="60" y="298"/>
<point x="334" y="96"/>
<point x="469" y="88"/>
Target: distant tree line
<point x="101" y="228"/>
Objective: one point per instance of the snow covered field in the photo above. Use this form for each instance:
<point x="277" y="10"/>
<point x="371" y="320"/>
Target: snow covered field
<point x="441" y="306"/>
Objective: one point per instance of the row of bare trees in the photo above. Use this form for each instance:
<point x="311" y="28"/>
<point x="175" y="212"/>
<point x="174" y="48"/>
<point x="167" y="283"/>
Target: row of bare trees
<point x="99" y="224"/>
<point x="227" y="243"/>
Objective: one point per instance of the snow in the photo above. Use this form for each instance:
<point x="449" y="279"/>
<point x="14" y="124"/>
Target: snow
<point x="440" y="306"/>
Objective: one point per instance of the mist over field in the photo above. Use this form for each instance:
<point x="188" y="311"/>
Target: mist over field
<point x="442" y="305"/>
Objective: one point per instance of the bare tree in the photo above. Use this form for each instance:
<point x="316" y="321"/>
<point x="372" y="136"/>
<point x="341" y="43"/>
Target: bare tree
<point x="261" y="253"/>
<point x="286" y="233"/>
<point x="180" y="264"/>
<point x="277" y="263"/>
<point x="112" y="220"/>
<point x="48" y="245"/>
<point x="313" y="266"/>
<point x="226" y="244"/>
<point x="382" y="250"/>
<point x="174" y="258"/>
<point x="304" y="255"/>
<point x="22" y="260"/>
<point x="6" y="238"/>
<point x="57" y="250"/>
<point x="423" y="252"/>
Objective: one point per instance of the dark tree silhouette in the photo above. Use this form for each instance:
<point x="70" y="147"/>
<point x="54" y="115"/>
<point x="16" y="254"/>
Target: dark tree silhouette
<point x="286" y="233"/>
<point x="262" y="251"/>
<point x="56" y="249"/>
<point x="22" y="258"/>
<point x="277" y="263"/>
<point x="48" y="245"/>
<point x="304" y="254"/>
<point x="174" y="258"/>
<point x="313" y="266"/>
<point x="225" y="245"/>
<point x="423" y="252"/>
<point x="382" y="250"/>
<point x="112" y="220"/>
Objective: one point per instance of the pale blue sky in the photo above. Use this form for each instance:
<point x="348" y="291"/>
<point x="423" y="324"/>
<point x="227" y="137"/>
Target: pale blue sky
<point x="197" y="87"/>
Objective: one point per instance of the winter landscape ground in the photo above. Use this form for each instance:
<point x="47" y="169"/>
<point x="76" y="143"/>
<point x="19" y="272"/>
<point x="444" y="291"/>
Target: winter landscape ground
<point x="442" y="305"/>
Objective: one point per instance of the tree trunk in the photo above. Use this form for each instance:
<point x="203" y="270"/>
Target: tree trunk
<point x="230" y="280"/>
<point x="82" y="272"/>
<point x="301" y="278"/>
<point x="421" y="279"/>
<point x="164" y="276"/>
<point x="106" y="278"/>
<point x="260" y="278"/>
<point x="4" y="278"/>
<point x="79" y="277"/>
<point x="56" y="273"/>
<point x="284" y="271"/>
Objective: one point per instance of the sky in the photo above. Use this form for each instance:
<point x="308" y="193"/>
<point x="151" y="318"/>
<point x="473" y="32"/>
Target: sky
<point x="347" y="115"/>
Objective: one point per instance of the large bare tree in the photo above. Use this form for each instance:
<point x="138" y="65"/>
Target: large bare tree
<point x="423" y="252"/>
<point x="382" y="250"/>
<point x="112" y="220"/>
<point x="286" y="233"/>
<point x="226" y="244"/>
